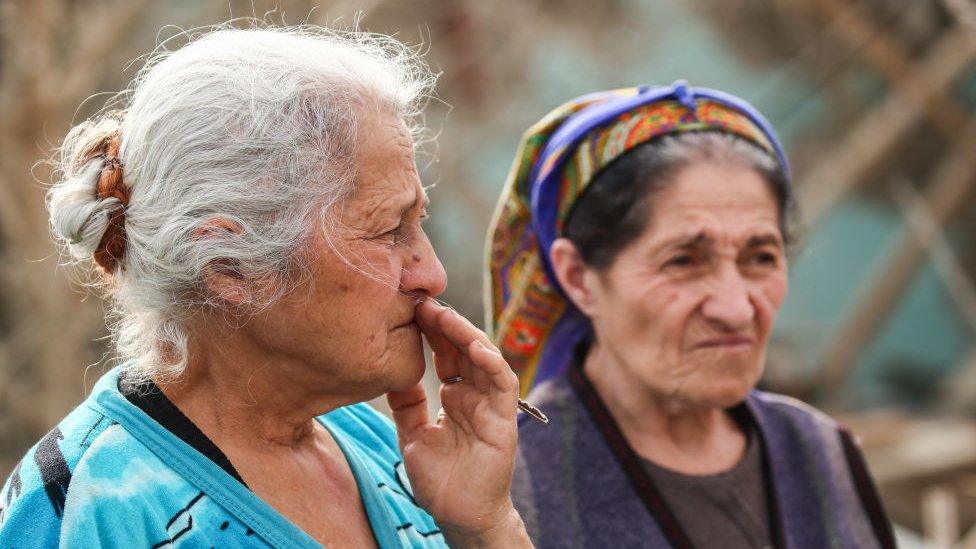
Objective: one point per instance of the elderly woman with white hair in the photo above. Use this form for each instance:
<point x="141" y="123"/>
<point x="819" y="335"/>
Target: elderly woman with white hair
<point x="254" y="210"/>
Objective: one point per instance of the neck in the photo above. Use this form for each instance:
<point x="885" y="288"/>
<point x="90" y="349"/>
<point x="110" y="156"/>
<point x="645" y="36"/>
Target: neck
<point x="664" y="429"/>
<point x="241" y="394"/>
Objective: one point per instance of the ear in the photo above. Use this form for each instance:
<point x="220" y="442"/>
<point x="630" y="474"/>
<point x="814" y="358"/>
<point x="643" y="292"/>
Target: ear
<point x="222" y="277"/>
<point x="574" y="276"/>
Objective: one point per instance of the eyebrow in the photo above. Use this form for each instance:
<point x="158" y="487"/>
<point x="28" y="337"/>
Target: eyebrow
<point x="696" y="240"/>
<point x="702" y="240"/>
<point x="406" y="207"/>
<point x="764" y="240"/>
<point x="422" y="198"/>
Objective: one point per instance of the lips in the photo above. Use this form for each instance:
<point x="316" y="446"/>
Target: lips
<point x="409" y="318"/>
<point x="726" y="342"/>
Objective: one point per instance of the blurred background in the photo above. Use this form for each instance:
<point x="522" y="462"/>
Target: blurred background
<point x="875" y="100"/>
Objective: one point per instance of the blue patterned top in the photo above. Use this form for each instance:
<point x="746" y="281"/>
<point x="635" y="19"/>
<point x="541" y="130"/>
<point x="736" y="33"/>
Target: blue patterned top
<point x="110" y="476"/>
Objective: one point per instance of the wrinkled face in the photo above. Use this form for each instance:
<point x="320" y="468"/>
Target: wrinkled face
<point x="686" y="310"/>
<point x="351" y="327"/>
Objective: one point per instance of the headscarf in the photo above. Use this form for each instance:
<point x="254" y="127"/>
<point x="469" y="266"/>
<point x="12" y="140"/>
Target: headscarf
<point x="528" y="316"/>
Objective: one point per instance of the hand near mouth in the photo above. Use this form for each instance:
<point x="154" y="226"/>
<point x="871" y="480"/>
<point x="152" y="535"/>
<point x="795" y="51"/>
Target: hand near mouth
<point x="460" y="465"/>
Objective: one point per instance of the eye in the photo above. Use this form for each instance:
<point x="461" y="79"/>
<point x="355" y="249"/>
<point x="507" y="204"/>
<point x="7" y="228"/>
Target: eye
<point x="393" y="236"/>
<point x="764" y="259"/>
<point x="679" y="261"/>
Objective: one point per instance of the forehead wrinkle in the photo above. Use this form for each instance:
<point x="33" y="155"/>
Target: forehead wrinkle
<point x="701" y="239"/>
<point x="387" y="182"/>
<point x="688" y="239"/>
<point x="402" y="150"/>
<point x="401" y="139"/>
<point x="397" y="203"/>
<point x="391" y="204"/>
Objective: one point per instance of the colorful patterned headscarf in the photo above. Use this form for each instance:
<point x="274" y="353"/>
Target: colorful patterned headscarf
<point x="528" y="316"/>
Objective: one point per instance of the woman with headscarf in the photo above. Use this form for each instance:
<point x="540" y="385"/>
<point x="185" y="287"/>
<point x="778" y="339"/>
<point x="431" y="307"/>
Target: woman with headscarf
<point x="254" y="213"/>
<point x="637" y="261"/>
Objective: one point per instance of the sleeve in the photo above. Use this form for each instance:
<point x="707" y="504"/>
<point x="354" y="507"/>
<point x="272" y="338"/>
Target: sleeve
<point x="110" y="523"/>
<point x="27" y="518"/>
<point x="34" y="515"/>
<point x="122" y="495"/>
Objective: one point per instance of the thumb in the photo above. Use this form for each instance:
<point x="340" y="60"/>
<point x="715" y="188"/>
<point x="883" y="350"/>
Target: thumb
<point x="409" y="411"/>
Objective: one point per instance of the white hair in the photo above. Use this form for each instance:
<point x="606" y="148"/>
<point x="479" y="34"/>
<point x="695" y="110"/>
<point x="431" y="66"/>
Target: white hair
<point x="253" y="126"/>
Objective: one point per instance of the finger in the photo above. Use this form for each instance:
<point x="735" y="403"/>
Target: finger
<point x="478" y="375"/>
<point x="457" y="329"/>
<point x="446" y="356"/>
<point x="427" y="322"/>
<point x="503" y="381"/>
<point x="409" y="410"/>
<point x="452" y="405"/>
<point x="464" y="366"/>
<point x="450" y="359"/>
<point x="446" y="325"/>
<point x="454" y="369"/>
<point x="451" y="367"/>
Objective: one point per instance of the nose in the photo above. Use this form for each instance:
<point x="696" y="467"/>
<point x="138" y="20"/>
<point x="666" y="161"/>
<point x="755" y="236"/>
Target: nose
<point x="728" y="304"/>
<point x="423" y="273"/>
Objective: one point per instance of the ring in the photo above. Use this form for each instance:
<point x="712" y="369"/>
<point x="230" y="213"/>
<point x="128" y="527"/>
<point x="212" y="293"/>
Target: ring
<point x="450" y="380"/>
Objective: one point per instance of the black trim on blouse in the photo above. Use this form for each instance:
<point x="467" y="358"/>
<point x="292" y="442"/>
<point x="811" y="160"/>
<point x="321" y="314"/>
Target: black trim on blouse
<point x="151" y="400"/>
<point x="641" y="480"/>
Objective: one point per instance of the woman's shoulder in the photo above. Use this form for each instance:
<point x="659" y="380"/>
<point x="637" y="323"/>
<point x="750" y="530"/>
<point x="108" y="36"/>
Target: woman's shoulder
<point x="791" y="425"/>
<point x="34" y="496"/>
<point x="51" y="461"/>
<point x="81" y="472"/>
<point x="791" y="409"/>
<point x="90" y="479"/>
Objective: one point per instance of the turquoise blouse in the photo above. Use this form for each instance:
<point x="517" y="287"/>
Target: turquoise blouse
<point x="110" y="476"/>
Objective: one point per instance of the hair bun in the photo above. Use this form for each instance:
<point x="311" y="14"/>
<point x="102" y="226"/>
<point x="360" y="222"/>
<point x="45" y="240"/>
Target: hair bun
<point x="87" y="205"/>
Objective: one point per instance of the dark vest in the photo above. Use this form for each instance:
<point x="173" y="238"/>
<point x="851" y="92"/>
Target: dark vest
<point x="579" y="484"/>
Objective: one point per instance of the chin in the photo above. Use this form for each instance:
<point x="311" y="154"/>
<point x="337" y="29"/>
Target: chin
<point x="406" y="381"/>
<point x="724" y="390"/>
<point x="730" y="391"/>
<point x="727" y="396"/>
<point x="406" y="367"/>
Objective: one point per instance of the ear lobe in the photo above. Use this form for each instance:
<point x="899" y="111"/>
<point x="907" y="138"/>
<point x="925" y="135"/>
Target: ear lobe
<point x="570" y="271"/>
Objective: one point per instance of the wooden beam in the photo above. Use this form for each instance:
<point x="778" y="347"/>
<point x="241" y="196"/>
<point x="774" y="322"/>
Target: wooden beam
<point x="940" y="517"/>
<point x="926" y="449"/>
<point x="963" y="11"/>
<point x="885" y="54"/>
<point x="952" y="185"/>
<point x="969" y="540"/>
<point x="868" y="142"/>
<point x="958" y="389"/>
<point x="954" y="278"/>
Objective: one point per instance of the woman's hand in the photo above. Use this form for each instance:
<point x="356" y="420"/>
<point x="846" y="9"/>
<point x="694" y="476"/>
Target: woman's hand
<point x="460" y="466"/>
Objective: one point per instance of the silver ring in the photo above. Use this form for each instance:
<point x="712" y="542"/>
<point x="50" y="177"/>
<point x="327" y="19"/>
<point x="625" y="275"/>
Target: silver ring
<point x="450" y="380"/>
